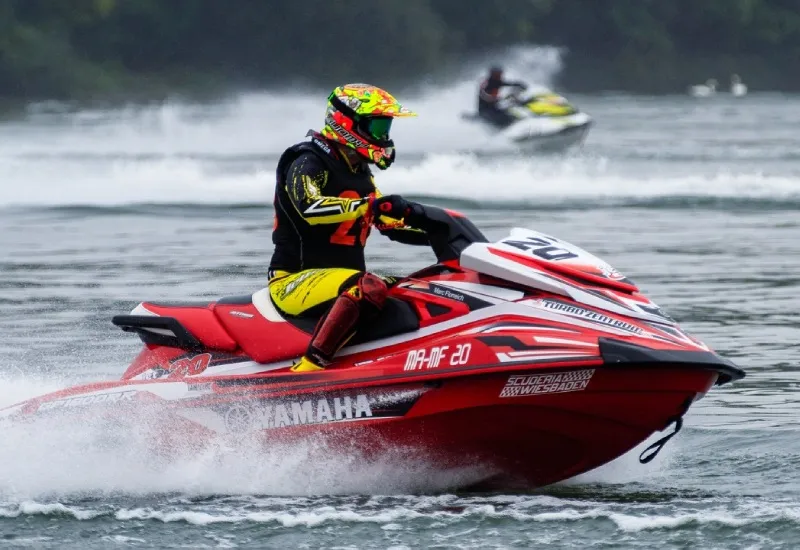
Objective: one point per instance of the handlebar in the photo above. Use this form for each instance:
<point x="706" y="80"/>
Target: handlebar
<point x="448" y="232"/>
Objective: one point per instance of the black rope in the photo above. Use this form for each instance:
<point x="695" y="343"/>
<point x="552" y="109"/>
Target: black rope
<point x="656" y="447"/>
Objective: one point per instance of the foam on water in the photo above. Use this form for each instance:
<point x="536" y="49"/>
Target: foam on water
<point x="454" y="176"/>
<point x="93" y="455"/>
<point x="225" y="152"/>
<point x="409" y="513"/>
<point x="72" y="462"/>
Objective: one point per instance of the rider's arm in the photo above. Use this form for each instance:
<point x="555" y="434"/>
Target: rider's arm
<point x="305" y="183"/>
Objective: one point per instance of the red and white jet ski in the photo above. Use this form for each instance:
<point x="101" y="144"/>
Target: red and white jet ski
<point x="528" y="356"/>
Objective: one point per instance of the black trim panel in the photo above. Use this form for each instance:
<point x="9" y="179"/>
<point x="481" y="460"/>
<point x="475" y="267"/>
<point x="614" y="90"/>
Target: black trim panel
<point x="514" y="343"/>
<point x="140" y="323"/>
<point x="617" y="352"/>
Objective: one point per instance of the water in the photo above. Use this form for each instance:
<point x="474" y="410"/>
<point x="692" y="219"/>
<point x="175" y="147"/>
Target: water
<point x="697" y="201"/>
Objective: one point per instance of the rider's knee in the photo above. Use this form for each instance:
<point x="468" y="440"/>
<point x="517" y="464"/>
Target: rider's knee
<point x="374" y="289"/>
<point x="368" y="288"/>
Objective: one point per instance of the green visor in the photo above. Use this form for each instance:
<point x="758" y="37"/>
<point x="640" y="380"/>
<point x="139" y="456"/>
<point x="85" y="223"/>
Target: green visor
<point x="376" y="127"/>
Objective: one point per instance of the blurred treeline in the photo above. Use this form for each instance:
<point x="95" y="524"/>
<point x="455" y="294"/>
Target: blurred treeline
<point x="80" y="48"/>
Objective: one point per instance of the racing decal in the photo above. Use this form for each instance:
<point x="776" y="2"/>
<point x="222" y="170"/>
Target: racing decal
<point x="239" y="418"/>
<point x="520" y="385"/>
<point x="321" y="144"/>
<point x="447" y="293"/>
<point x="544" y="248"/>
<point x="152" y="374"/>
<point x="473" y="302"/>
<point x="191" y="366"/>
<point x="266" y="415"/>
<point x="583" y="313"/>
<point x="551" y="249"/>
<point x="544" y="351"/>
<point x="335" y="205"/>
<point x="83" y="400"/>
<point x="433" y="357"/>
<point x="352" y="139"/>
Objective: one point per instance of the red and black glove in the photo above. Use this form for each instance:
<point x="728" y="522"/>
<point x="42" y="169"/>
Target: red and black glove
<point x="391" y="206"/>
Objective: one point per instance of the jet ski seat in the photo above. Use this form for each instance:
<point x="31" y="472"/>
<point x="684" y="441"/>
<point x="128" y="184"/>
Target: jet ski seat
<point x="187" y="325"/>
<point x="236" y="322"/>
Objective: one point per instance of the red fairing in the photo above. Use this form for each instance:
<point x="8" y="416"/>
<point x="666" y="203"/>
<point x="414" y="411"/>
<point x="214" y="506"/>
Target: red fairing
<point x="527" y="360"/>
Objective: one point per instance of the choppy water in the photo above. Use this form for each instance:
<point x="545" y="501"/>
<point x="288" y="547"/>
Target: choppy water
<point x="697" y="201"/>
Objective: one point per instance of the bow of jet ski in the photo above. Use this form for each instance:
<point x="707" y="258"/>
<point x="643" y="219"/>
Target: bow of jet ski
<point x="528" y="356"/>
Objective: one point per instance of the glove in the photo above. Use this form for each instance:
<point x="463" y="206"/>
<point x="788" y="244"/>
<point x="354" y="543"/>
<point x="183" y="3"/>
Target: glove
<point x="391" y="206"/>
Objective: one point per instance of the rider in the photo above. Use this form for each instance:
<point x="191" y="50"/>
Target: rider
<point x="489" y="95"/>
<point x="325" y="203"/>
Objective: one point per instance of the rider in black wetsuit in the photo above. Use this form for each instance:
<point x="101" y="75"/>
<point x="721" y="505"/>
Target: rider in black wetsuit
<point x="325" y="205"/>
<point x="489" y="94"/>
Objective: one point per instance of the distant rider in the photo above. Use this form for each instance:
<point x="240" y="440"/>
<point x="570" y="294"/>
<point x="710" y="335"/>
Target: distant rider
<point x="325" y="203"/>
<point x="489" y="95"/>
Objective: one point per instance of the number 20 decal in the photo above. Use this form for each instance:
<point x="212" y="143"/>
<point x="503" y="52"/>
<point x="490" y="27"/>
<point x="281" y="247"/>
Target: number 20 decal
<point x="461" y="355"/>
<point x="542" y="248"/>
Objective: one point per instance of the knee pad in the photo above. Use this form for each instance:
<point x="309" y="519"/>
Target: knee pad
<point x="373" y="289"/>
<point x="362" y="299"/>
<point x="368" y="290"/>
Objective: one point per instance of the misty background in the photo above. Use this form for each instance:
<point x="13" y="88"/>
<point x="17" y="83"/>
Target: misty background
<point x="90" y="49"/>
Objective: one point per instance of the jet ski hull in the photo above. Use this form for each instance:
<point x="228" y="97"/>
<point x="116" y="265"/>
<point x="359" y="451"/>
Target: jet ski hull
<point x="524" y="362"/>
<point x="559" y="141"/>
<point x="524" y="427"/>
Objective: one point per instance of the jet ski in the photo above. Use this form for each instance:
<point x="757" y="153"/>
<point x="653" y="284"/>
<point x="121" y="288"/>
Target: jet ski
<point x="527" y="356"/>
<point x="540" y="121"/>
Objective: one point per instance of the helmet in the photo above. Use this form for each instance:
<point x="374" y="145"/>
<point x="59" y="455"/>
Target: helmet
<point x="360" y="116"/>
<point x="496" y="71"/>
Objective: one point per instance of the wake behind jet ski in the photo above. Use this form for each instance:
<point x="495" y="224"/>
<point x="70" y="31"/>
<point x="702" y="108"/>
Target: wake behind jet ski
<point x="532" y="119"/>
<point x="528" y="357"/>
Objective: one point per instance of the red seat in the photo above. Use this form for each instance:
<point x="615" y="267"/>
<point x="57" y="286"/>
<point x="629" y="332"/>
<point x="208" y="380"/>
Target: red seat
<point x="199" y="320"/>
<point x="261" y="331"/>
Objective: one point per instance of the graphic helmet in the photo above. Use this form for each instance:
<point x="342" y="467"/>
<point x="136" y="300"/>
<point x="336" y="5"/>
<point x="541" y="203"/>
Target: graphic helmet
<point x="360" y="116"/>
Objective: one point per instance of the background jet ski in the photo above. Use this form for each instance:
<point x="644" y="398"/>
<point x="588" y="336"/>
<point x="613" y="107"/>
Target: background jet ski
<point x="541" y="120"/>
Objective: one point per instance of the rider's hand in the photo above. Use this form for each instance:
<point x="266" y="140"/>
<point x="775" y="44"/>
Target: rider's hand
<point x="391" y="206"/>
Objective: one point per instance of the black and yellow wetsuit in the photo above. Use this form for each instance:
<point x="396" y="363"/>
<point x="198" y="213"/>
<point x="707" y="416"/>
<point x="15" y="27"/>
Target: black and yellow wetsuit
<point x="321" y="226"/>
